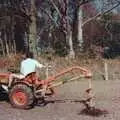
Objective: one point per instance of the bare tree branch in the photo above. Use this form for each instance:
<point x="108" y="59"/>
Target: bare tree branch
<point x="90" y="19"/>
<point x="56" y="8"/>
<point x="100" y="14"/>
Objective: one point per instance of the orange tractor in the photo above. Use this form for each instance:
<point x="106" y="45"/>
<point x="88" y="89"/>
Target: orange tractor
<point x="23" y="93"/>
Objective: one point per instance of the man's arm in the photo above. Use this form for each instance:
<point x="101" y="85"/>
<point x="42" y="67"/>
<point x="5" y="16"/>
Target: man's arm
<point x="39" y="65"/>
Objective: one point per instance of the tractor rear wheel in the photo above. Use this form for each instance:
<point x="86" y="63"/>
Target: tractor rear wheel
<point x="21" y="96"/>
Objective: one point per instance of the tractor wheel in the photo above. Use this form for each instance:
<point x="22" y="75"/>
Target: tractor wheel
<point x="21" y="96"/>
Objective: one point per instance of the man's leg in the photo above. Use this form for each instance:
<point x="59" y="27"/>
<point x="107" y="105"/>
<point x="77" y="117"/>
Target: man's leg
<point x="12" y="76"/>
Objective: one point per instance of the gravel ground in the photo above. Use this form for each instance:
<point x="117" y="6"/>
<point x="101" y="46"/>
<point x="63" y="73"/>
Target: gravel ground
<point x="106" y="97"/>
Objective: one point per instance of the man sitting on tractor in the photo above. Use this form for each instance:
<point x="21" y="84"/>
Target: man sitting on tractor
<point x="28" y="66"/>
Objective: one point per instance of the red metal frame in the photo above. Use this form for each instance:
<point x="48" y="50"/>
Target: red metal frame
<point x="86" y="73"/>
<point x="33" y="79"/>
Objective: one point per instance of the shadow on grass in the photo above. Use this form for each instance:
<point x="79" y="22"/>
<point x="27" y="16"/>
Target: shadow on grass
<point x="45" y="102"/>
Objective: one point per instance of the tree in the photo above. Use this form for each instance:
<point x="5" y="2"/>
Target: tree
<point x="80" y="29"/>
<point x="32" y="28"/>
<point x="13" y="25"/>
<point x="24" y="21"/>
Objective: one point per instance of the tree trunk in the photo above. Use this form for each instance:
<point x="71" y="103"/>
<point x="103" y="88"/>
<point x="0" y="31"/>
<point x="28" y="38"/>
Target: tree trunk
<point x="13" y="34"/>
<point x="33" y="29"/>
<point x="6" y="43"/>
<point x="80" y="31"/>
<point x="71" y="52"/>
<point x="69" y="32"/>
<point x="2" y="49"/>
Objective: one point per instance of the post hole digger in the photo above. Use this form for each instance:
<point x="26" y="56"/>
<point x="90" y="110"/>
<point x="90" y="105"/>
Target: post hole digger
<point x="22" y="93"/>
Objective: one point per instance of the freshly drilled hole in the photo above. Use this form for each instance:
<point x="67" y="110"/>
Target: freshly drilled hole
<point x="95" y="112"/>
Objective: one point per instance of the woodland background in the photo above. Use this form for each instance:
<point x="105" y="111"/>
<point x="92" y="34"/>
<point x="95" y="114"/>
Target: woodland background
<point x="60" y="27"/>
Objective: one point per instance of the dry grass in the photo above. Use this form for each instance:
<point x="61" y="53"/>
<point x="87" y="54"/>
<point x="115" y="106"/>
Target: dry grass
<point x="60" y="63"/>
<point x="10" y="61"/>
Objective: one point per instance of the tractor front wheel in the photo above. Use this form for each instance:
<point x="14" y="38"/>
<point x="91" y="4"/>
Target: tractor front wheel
<point x="21" y="96"/>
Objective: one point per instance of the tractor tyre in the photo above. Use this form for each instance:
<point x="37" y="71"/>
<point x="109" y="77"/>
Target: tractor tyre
<point x="21" y="96"/>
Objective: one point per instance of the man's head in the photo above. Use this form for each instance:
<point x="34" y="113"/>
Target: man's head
<point x="29" y="55"/>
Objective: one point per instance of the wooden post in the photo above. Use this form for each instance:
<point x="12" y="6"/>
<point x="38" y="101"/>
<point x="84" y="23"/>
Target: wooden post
<point x="47" y="71"/>
<point x="45" y="85"/>
<point x="106" y="70"/>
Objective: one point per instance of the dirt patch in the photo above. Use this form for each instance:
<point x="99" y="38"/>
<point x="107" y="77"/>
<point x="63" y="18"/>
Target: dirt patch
<point x="95" y="112"/>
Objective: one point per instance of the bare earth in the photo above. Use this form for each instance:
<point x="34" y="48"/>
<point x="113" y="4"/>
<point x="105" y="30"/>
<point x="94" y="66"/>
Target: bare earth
<point x="107" y="97"/>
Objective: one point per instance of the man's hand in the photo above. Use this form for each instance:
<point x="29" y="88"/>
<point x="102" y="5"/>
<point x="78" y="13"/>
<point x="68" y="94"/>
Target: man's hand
<point x="47" y="66"/>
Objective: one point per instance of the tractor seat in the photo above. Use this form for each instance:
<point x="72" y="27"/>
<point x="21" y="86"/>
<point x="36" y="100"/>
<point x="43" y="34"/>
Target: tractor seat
<point x="31" y="75"/>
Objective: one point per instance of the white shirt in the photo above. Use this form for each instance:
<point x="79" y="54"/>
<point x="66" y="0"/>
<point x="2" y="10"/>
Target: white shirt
<point x="29" y="65"/>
